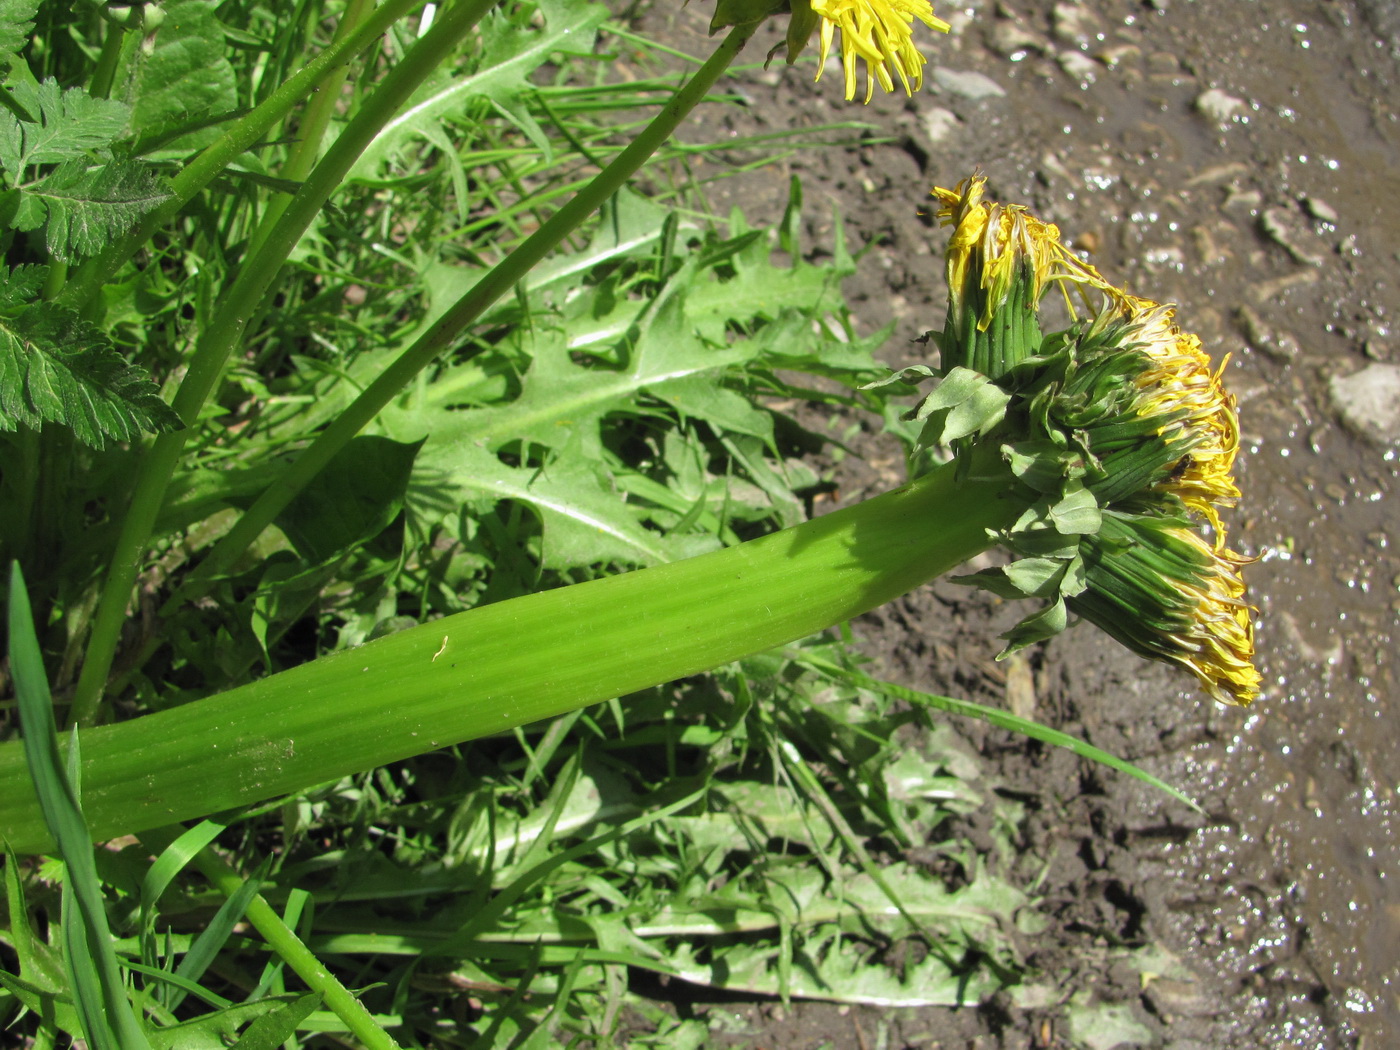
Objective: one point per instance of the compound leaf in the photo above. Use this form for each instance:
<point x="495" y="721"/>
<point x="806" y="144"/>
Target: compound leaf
<point x="67" y="125"/>
<point x="16" y="23"/>
<point x="57" y="368"/>
<point x="86" y="208"/>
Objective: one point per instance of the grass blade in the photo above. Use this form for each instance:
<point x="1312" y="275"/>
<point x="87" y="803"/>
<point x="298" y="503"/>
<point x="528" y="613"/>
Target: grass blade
<point x="101" y="996"/>
<point x="1024" y="726"/>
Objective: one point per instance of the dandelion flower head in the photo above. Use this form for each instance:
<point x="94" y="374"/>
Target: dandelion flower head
<point x="880" y="33"/>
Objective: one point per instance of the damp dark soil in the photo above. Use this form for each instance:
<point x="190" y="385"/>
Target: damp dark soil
<point x="1240" y="158"/>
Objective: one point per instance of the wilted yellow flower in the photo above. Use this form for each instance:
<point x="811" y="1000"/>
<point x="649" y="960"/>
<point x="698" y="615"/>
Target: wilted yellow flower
<point x="880" y="32"/>
<point x="1218" y="647"/>
<point x="1179" y="385"/>
<point x="1121" y="427"/>
<point x="1158" y="587"/>
<point x="990" y="241"/>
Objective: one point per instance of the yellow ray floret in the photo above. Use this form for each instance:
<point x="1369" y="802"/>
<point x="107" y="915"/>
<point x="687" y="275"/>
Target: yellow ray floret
<point x="1218" y="647"/>
<point x="879" y="32"/>
<point x="1179" y="382"/>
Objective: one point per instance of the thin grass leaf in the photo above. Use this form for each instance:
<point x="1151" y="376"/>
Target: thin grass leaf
<point x="82" y="967"/>
<point x="1024" y="726"/>
<point x="100" y="995"/>
<point x="173" y="860"/>
<point x="167" y="979"/>
<point x="205" y="948"/>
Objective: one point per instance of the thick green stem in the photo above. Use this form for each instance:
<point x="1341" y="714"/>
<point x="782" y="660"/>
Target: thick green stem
<point x="496" y="283"/>
<point x="311" y="130"/>
<point x="491" y="669"/>
<point x="239" y="137"/>
<point x="224" y="330"/>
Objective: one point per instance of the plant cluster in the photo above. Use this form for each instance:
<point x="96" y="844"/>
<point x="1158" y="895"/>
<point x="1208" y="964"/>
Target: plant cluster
<point x="349" y="356"/>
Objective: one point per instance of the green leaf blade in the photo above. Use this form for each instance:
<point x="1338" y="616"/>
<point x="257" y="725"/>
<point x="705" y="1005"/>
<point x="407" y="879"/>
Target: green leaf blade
<point x="55" y="368"/>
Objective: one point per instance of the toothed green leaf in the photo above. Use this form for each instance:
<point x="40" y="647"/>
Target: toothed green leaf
<point x="67" y="125"/>
<point x="56" y="368"/>
<point x="16" y="23"/>
<point x="86" y="208"/>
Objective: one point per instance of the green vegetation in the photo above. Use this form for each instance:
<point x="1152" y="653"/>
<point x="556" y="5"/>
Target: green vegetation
<point x="325" y="324"/>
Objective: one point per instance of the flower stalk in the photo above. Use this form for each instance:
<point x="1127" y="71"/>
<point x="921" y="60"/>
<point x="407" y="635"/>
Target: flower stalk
<point x="1041" y="454"/>
<point x="209" y="359"/>
<point x="488" y="670"/>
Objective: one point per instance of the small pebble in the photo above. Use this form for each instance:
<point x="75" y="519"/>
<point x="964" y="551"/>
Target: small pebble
<point x="967" y="83"/>
<point x="1079" y="66"/>
<point x="940" y="124"/>
<point x="1321" y="210"/>
<point x="1218" y="106"/>
<point x="1285" y="227"/>
<point x="1076" y="24"/>
<point x="1368" y="403"/>
<point x="1014" y="41"/>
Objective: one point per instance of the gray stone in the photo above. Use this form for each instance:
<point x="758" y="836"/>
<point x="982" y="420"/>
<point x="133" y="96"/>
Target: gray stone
<point x="1079" y="66"/>
<point x="1076" y="24"/>
<point x="940" y="124"/>
<point x="966" y="83"/>
<point x="1013" y="40"/>
<point x="1368" y="403"/>
<point x="1219" y="106"/>
<point x="1286" y="228"/>
<point x="1320" y="210"/>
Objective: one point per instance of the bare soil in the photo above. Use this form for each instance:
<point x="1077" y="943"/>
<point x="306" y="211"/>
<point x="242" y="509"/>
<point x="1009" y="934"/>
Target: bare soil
<point x="1241" y="159"/>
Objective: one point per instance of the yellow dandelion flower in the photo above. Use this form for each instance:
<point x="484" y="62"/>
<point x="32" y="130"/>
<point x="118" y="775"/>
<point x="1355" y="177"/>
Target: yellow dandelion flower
<point x="1218" y="645"/>
<point x="880" y="33"/>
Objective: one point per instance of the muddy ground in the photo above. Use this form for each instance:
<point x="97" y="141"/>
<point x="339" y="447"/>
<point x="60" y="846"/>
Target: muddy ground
<point x="1243" y="160"/>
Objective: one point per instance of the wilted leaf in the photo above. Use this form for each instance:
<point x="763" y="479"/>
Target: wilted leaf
<point x="1105" y="1026"/>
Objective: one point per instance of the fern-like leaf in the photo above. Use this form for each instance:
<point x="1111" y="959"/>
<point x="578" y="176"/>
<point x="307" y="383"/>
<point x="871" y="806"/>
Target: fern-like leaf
<point x="16" y="22"/>
<point x="86" y="208"/>
<point x="67" y="125"/>
<point x="20" y="286"/>
<point x="55" y="367"/>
